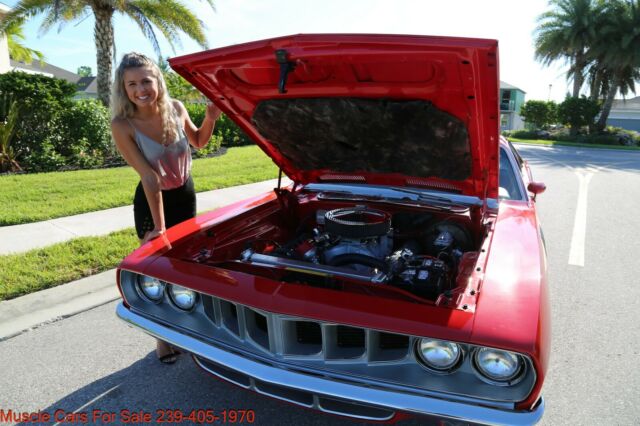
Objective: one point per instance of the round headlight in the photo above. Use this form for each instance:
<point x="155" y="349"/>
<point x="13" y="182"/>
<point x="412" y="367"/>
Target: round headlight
<point x="439" y="355"/>
<point x="183" y="298"/>
<point x="501" y="366"/>
<point x="151" y="287"/>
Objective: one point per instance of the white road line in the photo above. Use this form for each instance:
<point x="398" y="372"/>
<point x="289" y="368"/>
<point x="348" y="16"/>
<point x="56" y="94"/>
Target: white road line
<point x="576" y="254"/>
<point x="77" y="410"/>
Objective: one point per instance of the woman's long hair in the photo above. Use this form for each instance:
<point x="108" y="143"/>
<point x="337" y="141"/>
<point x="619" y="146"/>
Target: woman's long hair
<point x="122" y="107"/>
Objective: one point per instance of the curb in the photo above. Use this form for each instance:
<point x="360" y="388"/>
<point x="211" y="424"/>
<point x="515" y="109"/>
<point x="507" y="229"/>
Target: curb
<point x="46" y="306"/>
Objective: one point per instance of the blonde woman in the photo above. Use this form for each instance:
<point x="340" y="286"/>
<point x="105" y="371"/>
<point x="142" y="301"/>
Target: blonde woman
<point x="153" y="133"/>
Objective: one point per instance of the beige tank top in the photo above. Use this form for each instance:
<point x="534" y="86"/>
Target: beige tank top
<point x="172" y="162"/>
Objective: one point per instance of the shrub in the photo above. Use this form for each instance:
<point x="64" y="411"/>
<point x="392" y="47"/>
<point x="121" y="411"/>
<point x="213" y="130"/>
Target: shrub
<point x="214" y="145"/>
<point x="599" y="139"/>
<point x="228" y="131"/>
<point x="86" y="131"/>
<point x="8" y="155"/>
<point x="524" y="134"/>
<point x="538" y="114"/>
<point x="578" y="112"/>
<point x="41" y="100"/>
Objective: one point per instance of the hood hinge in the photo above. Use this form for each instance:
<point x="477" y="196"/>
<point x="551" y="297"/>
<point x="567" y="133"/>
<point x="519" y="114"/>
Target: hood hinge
<point x="282" y="57"/>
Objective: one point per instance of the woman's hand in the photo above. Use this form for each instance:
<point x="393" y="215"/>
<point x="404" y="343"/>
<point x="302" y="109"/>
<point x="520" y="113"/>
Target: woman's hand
<point x="151" y="235"/>
<point x="213" y="112"/>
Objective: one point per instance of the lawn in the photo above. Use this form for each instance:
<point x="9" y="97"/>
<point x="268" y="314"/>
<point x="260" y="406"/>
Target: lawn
<point x="41" y="196"/>
<point x="567" y="143"/>
<point x="62" y="263"/>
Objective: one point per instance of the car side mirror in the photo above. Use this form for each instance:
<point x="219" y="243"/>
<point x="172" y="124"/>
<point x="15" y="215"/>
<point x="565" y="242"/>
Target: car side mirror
<point x="536" y="188"/>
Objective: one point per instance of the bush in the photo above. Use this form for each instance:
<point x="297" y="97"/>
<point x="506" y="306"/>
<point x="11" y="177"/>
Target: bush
<point x="599" y="139"/>
<point x="214" y="145"/>
<point x="86" y="131"/>
<point x="40" y="100"/>
<point x="226" y="130"/>
<point x="523" y="134"/>
<point x="538" y="114"/>
<point x="578" y="112"/>
<point x="54" y="132"/>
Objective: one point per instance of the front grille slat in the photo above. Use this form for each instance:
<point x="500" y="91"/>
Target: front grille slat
<point x="342" y="342"/>
<point x="281" y="335"/>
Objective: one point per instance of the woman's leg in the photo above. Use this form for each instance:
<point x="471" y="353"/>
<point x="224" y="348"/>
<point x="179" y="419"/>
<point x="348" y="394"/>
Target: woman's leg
<point x="144" y="224"/>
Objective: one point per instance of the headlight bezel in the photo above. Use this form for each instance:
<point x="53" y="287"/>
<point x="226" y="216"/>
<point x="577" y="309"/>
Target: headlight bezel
<point x="424" y="363"/>
<point x="514" y="379"/>
<point x="139" y="287"/>
<point x="169" y="289"/>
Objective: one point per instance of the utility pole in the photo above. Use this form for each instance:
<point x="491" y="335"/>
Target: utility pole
<point x="549" y="97"/>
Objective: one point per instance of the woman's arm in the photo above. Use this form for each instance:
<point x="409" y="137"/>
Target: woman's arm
<point x="121" y="131"/>
<point x="198" y="137"/>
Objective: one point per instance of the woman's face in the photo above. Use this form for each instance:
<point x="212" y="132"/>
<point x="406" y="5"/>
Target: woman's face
<point x="141" y="86"/>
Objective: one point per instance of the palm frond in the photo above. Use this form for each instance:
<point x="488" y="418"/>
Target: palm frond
<point x="172" y="17"/>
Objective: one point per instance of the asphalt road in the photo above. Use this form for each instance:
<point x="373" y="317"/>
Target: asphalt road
<point x="92" y="361"/>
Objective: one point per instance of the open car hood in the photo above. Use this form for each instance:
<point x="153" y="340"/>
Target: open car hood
<point x="397" y="110"/>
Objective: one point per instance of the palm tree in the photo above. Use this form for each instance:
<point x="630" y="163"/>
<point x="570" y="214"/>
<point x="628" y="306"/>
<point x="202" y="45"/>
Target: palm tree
<point x="18" y="51"/>
<point x="565" y="33"/>
<point x="169" y="17"/>
<point x="617" y="53"/>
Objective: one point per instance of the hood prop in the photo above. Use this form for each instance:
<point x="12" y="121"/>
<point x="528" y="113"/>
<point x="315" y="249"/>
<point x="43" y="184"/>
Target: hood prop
<point x="286" y="66"/>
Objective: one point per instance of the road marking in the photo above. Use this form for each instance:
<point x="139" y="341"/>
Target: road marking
<point x="77" y="410"/>
<point x="576" y="254"/>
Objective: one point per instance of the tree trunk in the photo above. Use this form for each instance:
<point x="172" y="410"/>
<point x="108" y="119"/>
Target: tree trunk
<point x="578" y="74"/>
<point x="103" y="34"/>
<point x="606" y="107"/>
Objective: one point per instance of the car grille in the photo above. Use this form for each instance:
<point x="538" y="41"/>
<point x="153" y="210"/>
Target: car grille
<point x="368" y="357"/>
<point x="286" y="336"/>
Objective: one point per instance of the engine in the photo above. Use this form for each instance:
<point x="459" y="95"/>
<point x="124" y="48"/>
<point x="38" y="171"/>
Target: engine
<point x="362" y="243"/>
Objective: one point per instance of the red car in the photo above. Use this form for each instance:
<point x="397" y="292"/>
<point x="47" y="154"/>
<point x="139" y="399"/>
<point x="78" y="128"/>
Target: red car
<point x="403" y="271"/>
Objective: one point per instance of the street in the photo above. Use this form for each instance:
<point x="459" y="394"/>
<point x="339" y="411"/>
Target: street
<point x="589" y="214"/>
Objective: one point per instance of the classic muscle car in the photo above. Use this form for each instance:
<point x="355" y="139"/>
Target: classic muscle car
<point x="403" y="270"/>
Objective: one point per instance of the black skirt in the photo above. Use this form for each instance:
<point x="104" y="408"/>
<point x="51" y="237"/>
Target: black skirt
<point x="179" y="205"/>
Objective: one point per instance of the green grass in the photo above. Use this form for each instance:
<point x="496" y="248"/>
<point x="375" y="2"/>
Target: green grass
<point x="568" y="143"/>
<point x="41" y="196"/>
<point x="62" y="263"/>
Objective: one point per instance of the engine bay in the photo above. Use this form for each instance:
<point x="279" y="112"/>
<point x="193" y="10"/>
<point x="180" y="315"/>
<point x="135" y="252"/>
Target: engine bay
<point x="421" y="253"/>
<point x="404" y="250"/>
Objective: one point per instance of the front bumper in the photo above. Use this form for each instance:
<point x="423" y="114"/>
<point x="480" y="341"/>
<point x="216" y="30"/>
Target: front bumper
<point x="262" y="376"/>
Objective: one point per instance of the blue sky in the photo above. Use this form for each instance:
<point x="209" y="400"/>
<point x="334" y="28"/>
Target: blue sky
<point x="235" y="21"/>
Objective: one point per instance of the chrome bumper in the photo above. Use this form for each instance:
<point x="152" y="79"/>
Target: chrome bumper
<point x="367" y="396"/>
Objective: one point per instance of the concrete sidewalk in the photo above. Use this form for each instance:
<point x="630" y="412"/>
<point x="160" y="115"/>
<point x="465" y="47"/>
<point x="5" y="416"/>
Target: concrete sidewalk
<point x="21" y="238"/>
<point x="27" y="312"/>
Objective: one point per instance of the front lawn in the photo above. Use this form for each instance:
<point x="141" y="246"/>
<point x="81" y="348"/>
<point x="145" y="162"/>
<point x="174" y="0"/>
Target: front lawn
<point x="568" y="143"/>
<point x="41" y="196"/>
<point x="62" y="263"/>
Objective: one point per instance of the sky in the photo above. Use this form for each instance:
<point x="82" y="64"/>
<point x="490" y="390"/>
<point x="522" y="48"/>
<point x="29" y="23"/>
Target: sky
<point x="511" y="22"/>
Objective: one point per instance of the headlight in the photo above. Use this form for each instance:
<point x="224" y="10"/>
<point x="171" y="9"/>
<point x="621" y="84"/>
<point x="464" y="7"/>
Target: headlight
<point x="438" y="355"/>
<point x="152" y="288"/>
<point x="501" y="366"/>
<point x="183" y="298"/>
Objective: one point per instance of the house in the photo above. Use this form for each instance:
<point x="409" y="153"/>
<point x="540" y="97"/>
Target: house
<point x="511" y="99"/>
<point x="625" y="113"/>
<point x="87" y="86"/>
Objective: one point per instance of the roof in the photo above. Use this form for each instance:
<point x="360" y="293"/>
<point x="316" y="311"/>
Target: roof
<point x="633" y="103"/>
<point x="4" y="8"/>
<point x="508" y="86"/>
<point x="88" y="84"/>
<point x="47" y="69"/>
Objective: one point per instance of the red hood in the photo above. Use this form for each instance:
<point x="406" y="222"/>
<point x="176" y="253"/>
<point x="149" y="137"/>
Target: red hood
<point x="381" y="109"/>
